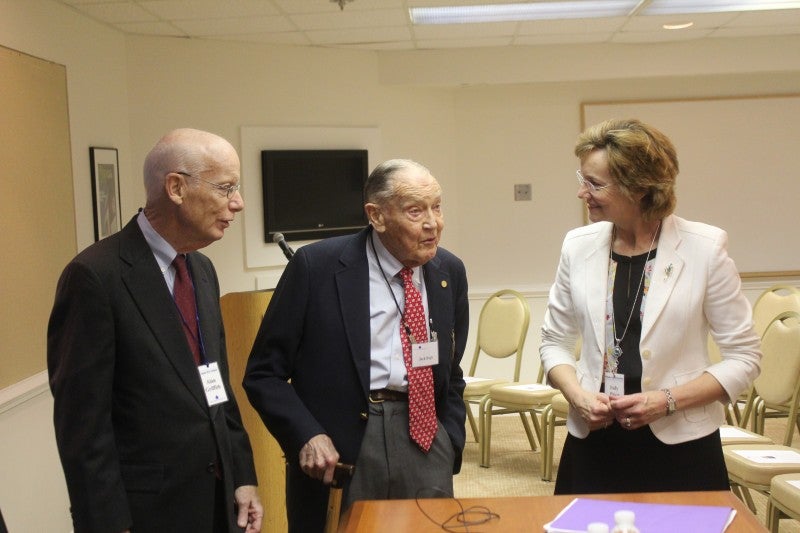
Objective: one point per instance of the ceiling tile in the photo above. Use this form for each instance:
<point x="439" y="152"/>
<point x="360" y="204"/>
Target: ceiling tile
<point x="462" y="31"/>
<point x="232" y="26"/>
<point x="351" y="19"/>
<point x="118" y="12"/>
<point x="359" y="35"/>
<point x="206" y="9"/>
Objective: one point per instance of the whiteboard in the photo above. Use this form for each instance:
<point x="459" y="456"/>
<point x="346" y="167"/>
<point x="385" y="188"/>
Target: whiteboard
<point x="738" y="170"/>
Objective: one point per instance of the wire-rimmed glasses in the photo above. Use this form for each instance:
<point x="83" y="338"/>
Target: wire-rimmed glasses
<point x="591" y="187"/>
<point x="227" y="190"/>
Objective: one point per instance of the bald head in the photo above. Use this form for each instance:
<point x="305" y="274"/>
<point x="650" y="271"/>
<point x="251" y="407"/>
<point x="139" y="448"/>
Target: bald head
<point x="183" y="150"/>
<point x="192" y="183"/>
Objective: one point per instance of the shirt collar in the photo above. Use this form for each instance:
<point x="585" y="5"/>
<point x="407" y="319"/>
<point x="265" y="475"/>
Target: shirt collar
<point x="391" y="266"/>
<point x="162" y="250"/>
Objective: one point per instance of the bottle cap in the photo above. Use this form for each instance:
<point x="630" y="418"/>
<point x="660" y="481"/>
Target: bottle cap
<point x="597" y="527"/>
<point x="624" y="517"/>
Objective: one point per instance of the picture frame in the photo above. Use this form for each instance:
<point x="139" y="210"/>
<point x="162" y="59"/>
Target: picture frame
<point x="105" y="191"/>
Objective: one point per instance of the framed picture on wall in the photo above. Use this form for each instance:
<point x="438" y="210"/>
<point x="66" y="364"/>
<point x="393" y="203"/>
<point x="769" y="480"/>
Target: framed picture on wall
<point x="105" y="191"/>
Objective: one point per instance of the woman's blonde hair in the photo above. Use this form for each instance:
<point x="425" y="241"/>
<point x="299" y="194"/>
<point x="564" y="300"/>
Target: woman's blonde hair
<point x="641" y="159"/>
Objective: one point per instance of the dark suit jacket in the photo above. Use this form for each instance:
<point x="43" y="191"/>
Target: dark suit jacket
<point x="137" y="440"/>
<point x="316" y="333"/>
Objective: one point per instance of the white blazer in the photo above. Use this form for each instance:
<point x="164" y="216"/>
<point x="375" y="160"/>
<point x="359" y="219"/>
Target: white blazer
<point x="695" y="288"/>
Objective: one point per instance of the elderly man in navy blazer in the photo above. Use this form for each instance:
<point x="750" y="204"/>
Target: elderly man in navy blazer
<point x="146" y="438"/>
<point x="348" y="367"/>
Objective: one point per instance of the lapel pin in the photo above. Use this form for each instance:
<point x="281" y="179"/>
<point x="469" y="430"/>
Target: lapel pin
<point x="667" y="272"/>
<point x="444" y="284"/>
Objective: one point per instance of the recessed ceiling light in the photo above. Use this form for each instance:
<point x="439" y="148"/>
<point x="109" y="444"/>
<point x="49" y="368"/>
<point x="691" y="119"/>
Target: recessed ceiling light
<point x="679" y="26"/>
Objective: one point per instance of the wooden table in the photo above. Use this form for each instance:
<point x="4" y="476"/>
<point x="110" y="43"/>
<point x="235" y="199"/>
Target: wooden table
<point x="523" y="513"/>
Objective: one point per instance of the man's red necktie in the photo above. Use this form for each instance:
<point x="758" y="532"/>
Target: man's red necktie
<point x="183" y="293"/>
<point x="422" y="422"/>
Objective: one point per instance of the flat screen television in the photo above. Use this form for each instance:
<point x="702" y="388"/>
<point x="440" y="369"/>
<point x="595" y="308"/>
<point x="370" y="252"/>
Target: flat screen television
<point x="313" y="194"/>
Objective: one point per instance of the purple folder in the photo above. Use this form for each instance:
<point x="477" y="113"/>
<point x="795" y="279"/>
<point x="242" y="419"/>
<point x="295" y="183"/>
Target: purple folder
<point x="650" y="517"/>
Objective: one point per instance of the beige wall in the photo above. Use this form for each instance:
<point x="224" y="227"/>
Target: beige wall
<point x="478" y="135"/>
<point x="33" y="494"/>
<point x="482" y="120"/>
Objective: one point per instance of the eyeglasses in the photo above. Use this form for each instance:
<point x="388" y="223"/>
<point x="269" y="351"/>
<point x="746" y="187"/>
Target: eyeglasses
<point x="591" y="187"/>
<point x="227" y="190"/>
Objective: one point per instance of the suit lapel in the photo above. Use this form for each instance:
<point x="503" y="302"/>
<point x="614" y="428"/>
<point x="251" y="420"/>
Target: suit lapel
<point x="352" y="283"/>
<point x="596" y="281"/>
<point x="666" y="271"/>
<point x="440" y="307"/>
<point x="147" y="288"/>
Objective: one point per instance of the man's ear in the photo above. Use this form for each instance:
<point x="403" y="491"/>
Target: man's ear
<point x="175" y="187"/>
<point x="375" y="217"/>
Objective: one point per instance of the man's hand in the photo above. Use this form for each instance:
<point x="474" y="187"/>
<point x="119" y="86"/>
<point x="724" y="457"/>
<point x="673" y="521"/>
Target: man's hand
<point x="318" y="458"/>
<point x="249" y="508"/>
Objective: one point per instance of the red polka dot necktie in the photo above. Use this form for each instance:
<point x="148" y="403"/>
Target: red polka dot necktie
<point x="183" y="293"/>
<point x="421" y="406"/>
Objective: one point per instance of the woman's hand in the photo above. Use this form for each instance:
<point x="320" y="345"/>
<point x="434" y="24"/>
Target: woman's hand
<point x="594" y="408"/>
<point x="633" y="411"/>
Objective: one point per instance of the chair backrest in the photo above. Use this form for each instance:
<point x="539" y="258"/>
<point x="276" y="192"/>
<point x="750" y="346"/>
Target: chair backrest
<point x="779" y="380"/>
<point x="769" y="304"/>
<point x="772" y="302"/>
<point x="502" y="328"/>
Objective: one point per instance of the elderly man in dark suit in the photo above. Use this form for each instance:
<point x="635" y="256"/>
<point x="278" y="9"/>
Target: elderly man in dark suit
<point x="147" y="427"/>
<point x="357" y="359"/>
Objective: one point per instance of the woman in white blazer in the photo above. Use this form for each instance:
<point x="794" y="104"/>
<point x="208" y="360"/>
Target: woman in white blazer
<point x="643" y="288"/>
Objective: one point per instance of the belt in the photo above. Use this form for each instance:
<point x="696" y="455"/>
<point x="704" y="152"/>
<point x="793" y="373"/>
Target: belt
<point x="387" y="395"/>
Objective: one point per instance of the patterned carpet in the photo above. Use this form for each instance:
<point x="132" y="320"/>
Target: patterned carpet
<point x="516" y="470"/>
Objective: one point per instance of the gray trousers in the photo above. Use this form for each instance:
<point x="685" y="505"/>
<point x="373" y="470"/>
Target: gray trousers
<point x="391" y="466"/>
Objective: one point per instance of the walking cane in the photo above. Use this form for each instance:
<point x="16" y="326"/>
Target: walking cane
<point x="341" y="473"/>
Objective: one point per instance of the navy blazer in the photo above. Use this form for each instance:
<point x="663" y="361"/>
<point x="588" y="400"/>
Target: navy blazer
<point x="137" y="440"/>
<point x="309" y="370"/>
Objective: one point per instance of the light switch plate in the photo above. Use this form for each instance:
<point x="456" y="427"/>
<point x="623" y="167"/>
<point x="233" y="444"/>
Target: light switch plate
<point x="522" y="192"/>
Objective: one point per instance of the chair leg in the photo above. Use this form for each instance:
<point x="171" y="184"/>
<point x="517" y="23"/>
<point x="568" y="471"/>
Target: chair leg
<point x="471" y="419"/>
<point x="485" y="432"/>
<point x="528" y="431"/>
<point x="773" y="517"/>
<point x="743" y="493"/>
<point x="549" y="422"/>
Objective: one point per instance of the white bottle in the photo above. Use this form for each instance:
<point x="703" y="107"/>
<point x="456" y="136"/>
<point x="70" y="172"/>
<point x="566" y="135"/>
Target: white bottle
<point x="624" y="522"/>
<point x="597" y="527"/>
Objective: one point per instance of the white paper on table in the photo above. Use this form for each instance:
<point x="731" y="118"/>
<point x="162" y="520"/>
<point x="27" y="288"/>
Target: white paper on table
<point x="734" y="432"/>
<point x="770" y="456"/>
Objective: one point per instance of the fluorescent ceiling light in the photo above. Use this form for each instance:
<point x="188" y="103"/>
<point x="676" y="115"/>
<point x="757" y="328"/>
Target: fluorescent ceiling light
<point x="581" y="9"/>
<point x="527" y="11"/>
<point x="676" y="7"/>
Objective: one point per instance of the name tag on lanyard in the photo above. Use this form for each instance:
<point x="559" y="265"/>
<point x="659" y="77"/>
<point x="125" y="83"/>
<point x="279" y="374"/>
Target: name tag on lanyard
<point x="424" y="354"/>
<point x="615" y="384"/>
<point x="212" y="384"/>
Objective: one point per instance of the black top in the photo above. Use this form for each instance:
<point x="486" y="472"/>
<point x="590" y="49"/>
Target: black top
<point x="627" y="300"/>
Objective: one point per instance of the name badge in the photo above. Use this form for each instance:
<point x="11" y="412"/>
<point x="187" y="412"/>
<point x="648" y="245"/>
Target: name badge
<point x="212" y="384"/>
<point x="615" y="384"/>
<point x="425" y="354"/>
